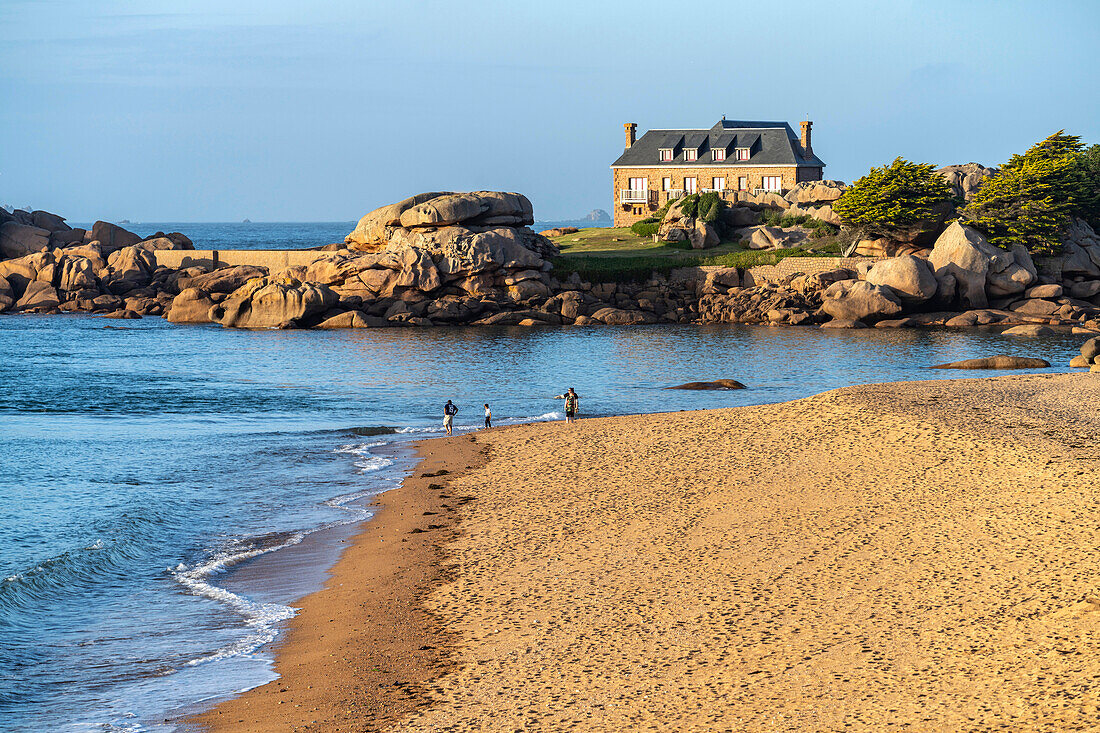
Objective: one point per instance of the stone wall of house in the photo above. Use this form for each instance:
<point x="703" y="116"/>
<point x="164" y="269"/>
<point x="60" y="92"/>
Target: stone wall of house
<point x="626" y="214"/>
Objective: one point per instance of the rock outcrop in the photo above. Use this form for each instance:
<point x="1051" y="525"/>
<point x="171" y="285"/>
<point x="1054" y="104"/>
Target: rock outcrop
<point x="270" y="302"/>
<point x="966" y="179"/>
<point x="997" y="362"/>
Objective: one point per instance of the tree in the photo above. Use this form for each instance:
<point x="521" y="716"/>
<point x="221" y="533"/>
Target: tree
<point x="893" y="198"/>
<point x="1030" y="199"/>
<point x="1088" y="205"/>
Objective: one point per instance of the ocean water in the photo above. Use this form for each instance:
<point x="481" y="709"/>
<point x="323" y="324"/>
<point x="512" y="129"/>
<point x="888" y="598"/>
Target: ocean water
<point x="273" y="235"/>
<point x="169" y="491"/>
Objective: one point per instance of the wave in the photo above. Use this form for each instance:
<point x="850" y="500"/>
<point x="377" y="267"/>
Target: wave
<point x="263" y="618"/>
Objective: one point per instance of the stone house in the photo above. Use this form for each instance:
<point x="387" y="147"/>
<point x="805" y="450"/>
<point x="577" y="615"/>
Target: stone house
<point x="736" y="158"/>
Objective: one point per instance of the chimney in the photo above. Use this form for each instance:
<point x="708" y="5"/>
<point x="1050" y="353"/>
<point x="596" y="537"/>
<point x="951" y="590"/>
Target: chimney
<point x="631" y="128"/>
<point x="807" y="150"/>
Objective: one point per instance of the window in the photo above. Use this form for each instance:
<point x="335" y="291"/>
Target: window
<point x="718" y="184"/>
<point x="743" y="183"/>
<point x="666" y="155"/>
<point x="773" y="183"/>
<point x="691" y="154"/>
<point x="719" y="154"/>
<point x="639" y="184"/>
<point x="689" y="185"/>
<point x="742" y="154"/>
<point x="666" y="184"/>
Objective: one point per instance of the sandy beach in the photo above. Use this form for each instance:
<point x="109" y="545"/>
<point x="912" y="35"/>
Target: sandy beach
<point x="916" y="556"/>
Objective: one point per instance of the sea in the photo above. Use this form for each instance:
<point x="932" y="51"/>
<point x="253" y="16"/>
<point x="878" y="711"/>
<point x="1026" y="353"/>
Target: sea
<point x="171" y="491"/>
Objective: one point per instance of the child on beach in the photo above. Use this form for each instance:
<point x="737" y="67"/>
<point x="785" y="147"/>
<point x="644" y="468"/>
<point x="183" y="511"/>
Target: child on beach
<point x="488" y="416"/>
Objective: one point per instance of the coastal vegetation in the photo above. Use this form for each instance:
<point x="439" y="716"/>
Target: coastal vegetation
<point x="1033" y="196"/>
<point x="893" y="199"/>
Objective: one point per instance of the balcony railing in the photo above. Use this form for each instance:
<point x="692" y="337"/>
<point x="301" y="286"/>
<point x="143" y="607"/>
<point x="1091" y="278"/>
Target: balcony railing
<point x="642" y="196"/>
<point x="758" y="191"/>
<point x="674" y="193"/>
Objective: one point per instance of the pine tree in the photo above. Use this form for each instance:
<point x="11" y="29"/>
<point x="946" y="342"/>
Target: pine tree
<point x="1030" y="199"/>
<point x="893" y="198"/>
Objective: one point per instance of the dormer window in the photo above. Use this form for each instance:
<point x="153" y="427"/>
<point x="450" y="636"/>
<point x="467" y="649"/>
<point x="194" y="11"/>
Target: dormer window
<point x="666" y="155"/>
<point x="691" y="154"/>
<point x="742" y="154"/>
<point x="719" y="154"/>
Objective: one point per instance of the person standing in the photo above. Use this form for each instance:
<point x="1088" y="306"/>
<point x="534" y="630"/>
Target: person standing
<point x="488" y="416"/>
<point x="449" y="412"/>
<point x="572" y="401"/>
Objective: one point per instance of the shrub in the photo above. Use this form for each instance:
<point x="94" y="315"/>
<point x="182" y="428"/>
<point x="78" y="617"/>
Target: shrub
<point x="645" y="227"/>
<point x="1028" y="201"/>
<point x="893" y="198"/>
<point x="689" y="204"/>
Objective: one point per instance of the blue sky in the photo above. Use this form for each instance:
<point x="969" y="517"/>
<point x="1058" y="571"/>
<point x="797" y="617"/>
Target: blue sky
<point x="293" y="111"/>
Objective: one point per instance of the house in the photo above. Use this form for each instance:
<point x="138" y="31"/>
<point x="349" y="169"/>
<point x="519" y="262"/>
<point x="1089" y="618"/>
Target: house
<point x="736" y="158"/>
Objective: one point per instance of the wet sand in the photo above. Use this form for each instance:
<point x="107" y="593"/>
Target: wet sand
<point x="359" y="652"/>
<point x="918" y="556"/>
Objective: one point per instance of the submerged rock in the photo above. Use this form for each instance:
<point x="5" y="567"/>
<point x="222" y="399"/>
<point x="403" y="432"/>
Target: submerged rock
<point x="716" y="384"/>
<point x="996" y="362"/>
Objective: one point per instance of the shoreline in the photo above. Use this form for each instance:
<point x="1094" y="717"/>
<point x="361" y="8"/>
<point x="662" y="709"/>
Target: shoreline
<point x="372" y="673"/>
<point x="800" y="582"/>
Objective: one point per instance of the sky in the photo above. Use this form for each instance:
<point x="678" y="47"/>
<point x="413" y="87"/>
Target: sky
<point x="207" y="110"/>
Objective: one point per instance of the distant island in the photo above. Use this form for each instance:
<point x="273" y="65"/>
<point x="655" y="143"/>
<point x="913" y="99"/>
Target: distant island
<point x="597" y="216"/>
<point x="246" y="221"/>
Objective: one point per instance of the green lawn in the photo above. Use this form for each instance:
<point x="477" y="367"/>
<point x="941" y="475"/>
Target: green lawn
<point x="616" y="254"/>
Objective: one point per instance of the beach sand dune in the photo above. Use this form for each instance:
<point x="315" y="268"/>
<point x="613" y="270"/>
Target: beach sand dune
<point x="917" y="557"/>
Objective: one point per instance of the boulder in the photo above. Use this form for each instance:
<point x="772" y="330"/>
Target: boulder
<point x="909" y="277"/>
<point x="997" y="362"/>
<point x="40" y="266"/>
<point x="484" y="207"/>
<point x="7" y="295"/>
<point x="38" y="295"/>
<point x="128" y="269"/>
<point x="527" y="289"/>
<point x="66" y="238"/>
<point x="816" y="192"/>
<point x="1090" y="350"/>
<point x="1028" y="330"/>
<point x="620" y="317"/>
<point x="1035" y="307"/>
<point x="76" y="273"/>
<point x="353" y="319"/>
<point x="857" y="300"/>
<point x="373" y="230"/>
<point x="735" y="217"/>
<point x="462" y="251"/>
<point x="1084" y="290"/>
<point x="716" y="384"/>
<point x="1079" y="362"/>
<point x="966" y="179"/>
<point x="559" y="231"/>
<point x="269" y="302"/>
<point x="50" y="222"/>
<point x="19" y="240"/>
<point x="192" y="305"/>
<point x="703" y="236"/>
<point x="111" y="237"/>
<point x="963" y="253"/>
<point x="155" y="243"/>
<point x="226" y="279"/>
<point x="1080" y="251"/>
<point x="1044" y="291"/>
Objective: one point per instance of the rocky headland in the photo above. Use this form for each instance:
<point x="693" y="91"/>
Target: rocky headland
<point x="447" y="258"/>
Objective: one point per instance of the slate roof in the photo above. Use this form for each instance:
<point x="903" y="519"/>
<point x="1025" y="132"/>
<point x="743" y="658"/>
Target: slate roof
<point x="772" y="143"/>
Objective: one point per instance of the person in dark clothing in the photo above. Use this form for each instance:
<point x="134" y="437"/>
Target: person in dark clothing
<point x="449" y="412"/>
